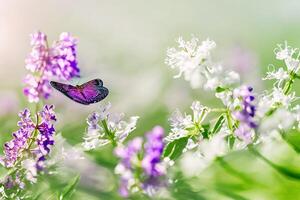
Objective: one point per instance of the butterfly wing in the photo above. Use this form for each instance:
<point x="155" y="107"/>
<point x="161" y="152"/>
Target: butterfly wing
<point x="70" y="91"/>
<point x="93" y="91"/>
<point x="87" y="93"/>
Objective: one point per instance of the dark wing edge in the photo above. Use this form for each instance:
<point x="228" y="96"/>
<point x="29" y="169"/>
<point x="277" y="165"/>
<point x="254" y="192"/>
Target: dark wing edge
<point x="97" y="82"/>
<point x="102" y="95"/>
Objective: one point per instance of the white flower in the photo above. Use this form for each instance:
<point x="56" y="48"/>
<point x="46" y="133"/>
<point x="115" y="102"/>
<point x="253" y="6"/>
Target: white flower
<point x="276" y="97"/>
<point x="280" y="75"/>
<point x="226" y="97"/>
<point x="282" y="119"/>
<point x="191" y="59"/>
<point x="286" y="53"/>
<point x="102" y="122"/>
<point x="180" y="123"/>
<point x="217" y="76"/>
<point x="208" y="150"/>
<point x="194" y="63"/>
<point x="30" y="170"/>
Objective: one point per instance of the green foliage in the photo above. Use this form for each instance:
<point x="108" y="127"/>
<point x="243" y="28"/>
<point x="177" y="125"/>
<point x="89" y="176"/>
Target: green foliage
<point x="69" y="189"/>
<point x="218" y="124"/>
<point x="174" y="149"/>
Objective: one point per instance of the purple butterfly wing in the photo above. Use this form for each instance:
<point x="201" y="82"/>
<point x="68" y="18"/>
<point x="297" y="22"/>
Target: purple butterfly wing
<point x="87" y="93"/>
<point x="93" y="91"/>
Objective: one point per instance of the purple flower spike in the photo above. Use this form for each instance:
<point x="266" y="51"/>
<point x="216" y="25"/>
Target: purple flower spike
<point x="153" y="151"/>
<point x="19" y="142"/>
<point x="246" y="115"/>
<point x="150" y="167"/>
<point x="58" y="61"/>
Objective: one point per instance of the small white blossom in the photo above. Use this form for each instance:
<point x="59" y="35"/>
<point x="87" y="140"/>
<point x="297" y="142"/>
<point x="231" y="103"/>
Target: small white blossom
<point x="30" y="170"/>
<point x="98" y="122"/>
<point x="289" y="55"/>
<point x="208" y="150"/>
<point x="280" y="75"/>
<point x="180" y="123"/>
<point x="276" y="97"/>
<point x="218" y="77"/>
<point x="282" y="119"/>
<point x="284" y="52"/>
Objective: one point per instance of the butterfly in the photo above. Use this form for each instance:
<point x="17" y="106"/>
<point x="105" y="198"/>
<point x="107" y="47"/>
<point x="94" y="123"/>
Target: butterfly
<point x="90" y="92"/>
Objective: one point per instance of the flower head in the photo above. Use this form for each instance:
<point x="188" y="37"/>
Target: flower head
<point x="105" y="127"/>
<point x="13" y="148"/>
<point x="193" y="60"/>
<point x="44" y="62"/>
<point x="153" y="151"/>
<point x="245" y="115"/>
<point x="147" y="161"/>
<point x="27" y="151"/>
<point x="181" y="124"/>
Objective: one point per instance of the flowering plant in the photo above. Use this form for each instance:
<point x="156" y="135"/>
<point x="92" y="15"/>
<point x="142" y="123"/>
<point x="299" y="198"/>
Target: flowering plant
<point x="158" y="165"/>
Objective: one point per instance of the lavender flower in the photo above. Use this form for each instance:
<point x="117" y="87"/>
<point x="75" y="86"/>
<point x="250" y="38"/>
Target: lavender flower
<point x="246" y="115"/>
<point x="34" y="138"/>
<point x="13" y="148"/>
<point x="48" y="62"/>
<point x="151" y="169"/>
<point x="129" y="161"/>
<point x="153" y="151"/>
<point x="45" y="137"/>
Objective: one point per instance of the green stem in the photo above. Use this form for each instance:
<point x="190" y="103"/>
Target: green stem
<point x="109" y="134"/>
<point x="222" y="110"/>
<point x="280" y="169"/>
<point x="229" y="122"/>
<point x="288" y="85"/>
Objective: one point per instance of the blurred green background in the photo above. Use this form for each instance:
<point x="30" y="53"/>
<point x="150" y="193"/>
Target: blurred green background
<point x="124" y="43"/>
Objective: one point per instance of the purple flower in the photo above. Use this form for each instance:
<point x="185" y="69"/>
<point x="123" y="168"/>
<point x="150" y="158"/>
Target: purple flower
<point x="147" y="162"/>
<point x="58" y="61"/>
<point x="64" y="63"/>
<point x="128" y="154"/>
<point x="13" y="148"/>
<point x="129" y="161"/>
<point x="22" y="139"/>
<point x="153" y="151"/>
<point x="92" y="121"/>
<point x="246" y="115"/>
<point x="46" y="132"/>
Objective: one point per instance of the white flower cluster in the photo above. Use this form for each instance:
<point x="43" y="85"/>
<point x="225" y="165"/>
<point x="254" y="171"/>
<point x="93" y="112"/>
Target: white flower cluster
<point x="105" y="127"/>
<point x="181" y="124"/>
<point x="280" y="99"/>
<point x="290" y="56"/>
<point x="193" y="60"/>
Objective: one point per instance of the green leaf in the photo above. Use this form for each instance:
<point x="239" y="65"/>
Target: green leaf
<point x="220" y="89"/>
<point x="231" y="140"/>
<point x="174" y="149"/>
<point x="205" y="133"/>
<point x="69" y="189"/>
<point x="292" y="138"/>
<point x="218" y="124"/>
<point x="289" y="173"/>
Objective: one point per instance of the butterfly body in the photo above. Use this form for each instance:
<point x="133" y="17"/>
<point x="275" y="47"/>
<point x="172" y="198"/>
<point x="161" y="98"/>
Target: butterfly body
<point x="90" y="92"/>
